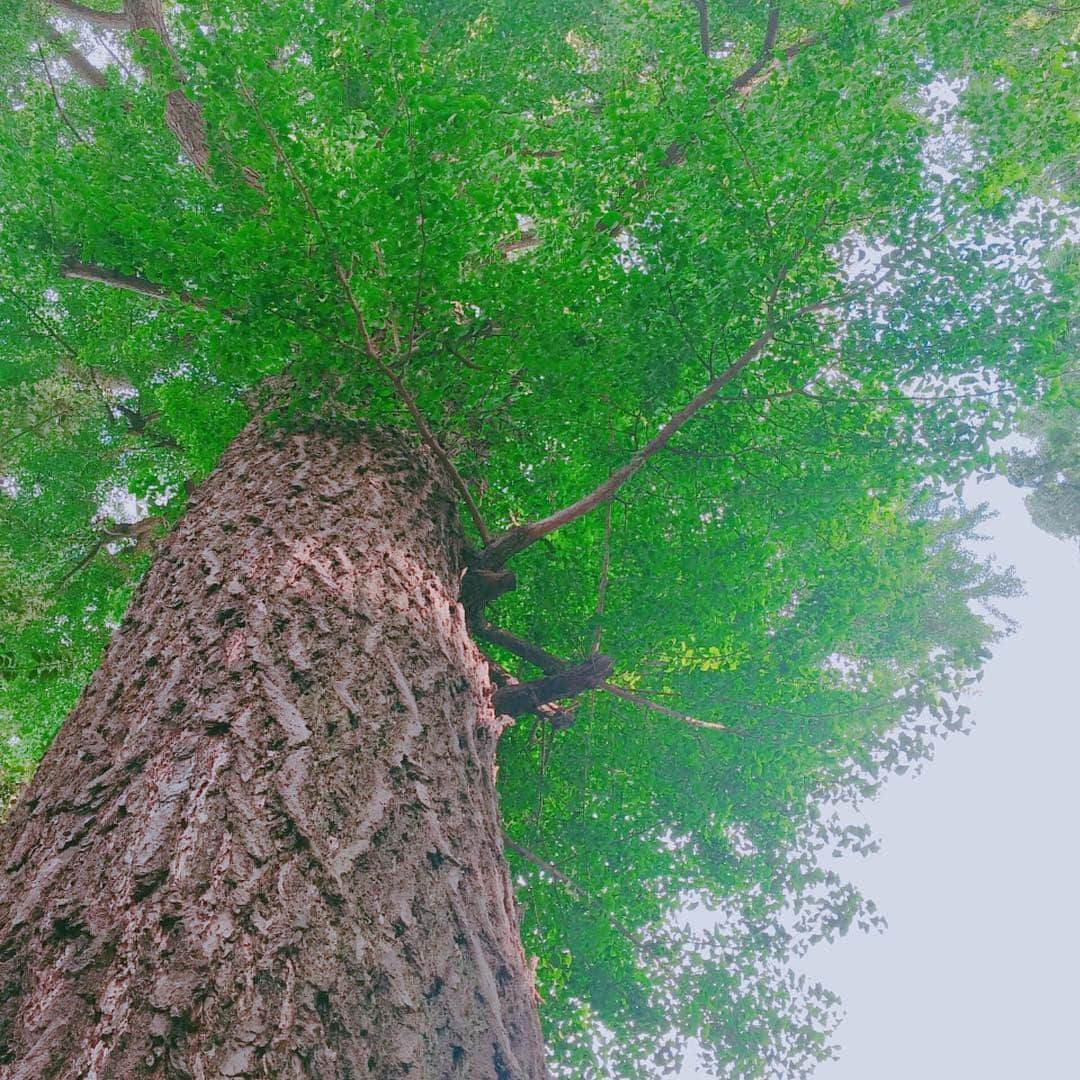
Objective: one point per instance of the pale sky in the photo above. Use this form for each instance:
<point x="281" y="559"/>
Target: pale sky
<point x="976" y="976"/>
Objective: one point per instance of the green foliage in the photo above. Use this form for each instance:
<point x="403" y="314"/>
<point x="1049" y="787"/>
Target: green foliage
<point x="1048" y="462"/>
<point x="560" y="221"/>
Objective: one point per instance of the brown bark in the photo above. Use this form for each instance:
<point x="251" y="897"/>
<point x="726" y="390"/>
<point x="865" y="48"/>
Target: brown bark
<point x="266" y="843"/>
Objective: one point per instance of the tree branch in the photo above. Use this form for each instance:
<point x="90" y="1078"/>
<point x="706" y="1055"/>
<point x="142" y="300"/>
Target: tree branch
<point x="516" y="539"/>
<point x="575" y="890"/>
<point x="663" y="710"/>
<point x="601" y="589"/>
<point x="771" y="30"/>
<point x="64" y="118"/>
<point x="101" y="275"/>
<point x="526" y="650"/>
<point x="547" y="867"/>
<point x="103" y="20"/>
<point x="764" y="68"/>
<point x="703" y="25"/>
<point x="480" y="587"/>
<point x="76" y="61"/>
<point x="551" y="664"/>
<point x="558" y="717"/>
<point x="528" y="697"/>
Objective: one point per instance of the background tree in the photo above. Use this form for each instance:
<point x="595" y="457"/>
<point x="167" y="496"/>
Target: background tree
<point x="601" y="263"/>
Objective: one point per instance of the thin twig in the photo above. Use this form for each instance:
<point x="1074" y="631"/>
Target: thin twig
<point x="520" y="537"/>
<point x="663" y="710"/>
<point x="64" y="118"/>
<point x="422" y="226"/>
<point x="41" y="323"/>
<point x="554" y="871"/>
<point x="570" y="885"/>
<point x="781" y="277"/>
<point x="605" y="562"/>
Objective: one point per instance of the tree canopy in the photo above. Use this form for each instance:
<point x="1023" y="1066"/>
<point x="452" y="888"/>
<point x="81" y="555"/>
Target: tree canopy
<point x="710" y="306"/>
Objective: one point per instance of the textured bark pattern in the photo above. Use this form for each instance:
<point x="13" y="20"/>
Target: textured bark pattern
<point x="266" y="843"/>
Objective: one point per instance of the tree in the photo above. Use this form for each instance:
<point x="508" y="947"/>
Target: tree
<point x="575" y="269"/>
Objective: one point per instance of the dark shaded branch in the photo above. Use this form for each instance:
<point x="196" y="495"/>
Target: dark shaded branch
<point x="763" y="69"/>
<point x="76" y="61"/>
<point x="480" y="587"/>
<point x="142" y="532"/>
<point x="60" y="111"/>
<point x="104" y="20"/>
<point x="526" y="650"/>
<point x="745" y="78"/>
<point x="771" y="30"/>
<point x="559" y="718"/>
<point x="513" y="700"/>
<point x="516" y="539"/>
<point x="703" y="25"/>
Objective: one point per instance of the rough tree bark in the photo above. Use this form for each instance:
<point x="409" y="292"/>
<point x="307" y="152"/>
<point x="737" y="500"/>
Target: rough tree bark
<point x="266" y="843"/>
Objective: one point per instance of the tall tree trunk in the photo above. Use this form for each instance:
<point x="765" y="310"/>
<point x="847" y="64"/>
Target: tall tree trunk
<point x="266" y="843"/>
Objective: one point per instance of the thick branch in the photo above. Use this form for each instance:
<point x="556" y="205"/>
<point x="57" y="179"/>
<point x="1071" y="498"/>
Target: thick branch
<point x="763" y="69"/>
<point x="513" y="700"/>
<point x="766" y="58"/>
<point x="76" y="61"/>
<point x="558" y="717"/>
<point x="481" y="587"/>
<point x="533" y="654"/>
<point x="703" y="25"/>
<point x="771" y="30"/>
<point x="183" y="117"/>
<point x="102" y="275"/>
<point x="514" y="540"/>
<point x="104" y="20"/>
